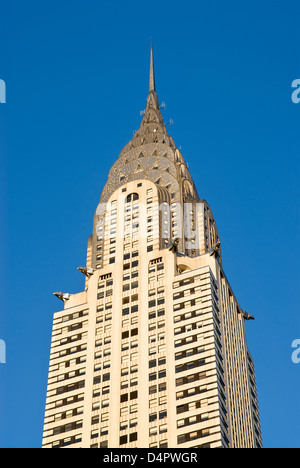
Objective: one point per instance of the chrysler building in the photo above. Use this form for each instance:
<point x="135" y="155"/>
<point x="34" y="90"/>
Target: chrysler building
<point x="153" y="351"/>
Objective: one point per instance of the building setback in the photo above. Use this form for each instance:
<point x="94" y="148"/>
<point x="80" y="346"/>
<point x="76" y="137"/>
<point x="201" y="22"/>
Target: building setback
<point x="153" y="352"/>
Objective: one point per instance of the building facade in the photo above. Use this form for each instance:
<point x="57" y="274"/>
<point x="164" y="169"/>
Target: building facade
<point x="153" y="352"/>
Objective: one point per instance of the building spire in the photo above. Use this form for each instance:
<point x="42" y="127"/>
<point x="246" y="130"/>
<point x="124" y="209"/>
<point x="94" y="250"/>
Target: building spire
<point x="151" y="77"/>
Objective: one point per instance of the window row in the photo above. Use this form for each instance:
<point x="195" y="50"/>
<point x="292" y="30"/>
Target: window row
<point x="189" y="352"/>
<point x="190" y="392"/>
<point x="68" y="351"/>
<point x="70" y="400"/>
<point x="70" y="339"/>
<point x="157" y="375"/>
<point x="154" y="302"/>
<point x="124" y="439"/>
<point x="67" y="364"/>
<point x="69" y="375"/>
<point x="154" y="416"/>
<point x="132" y="298"/>
<point x="96" y="433"/>
<point x="188" y="328"/>
<point x="129" y="396"/>
<point x="73" y="316"/>
<point x="155" y="314"/>
<point x="191" y="378"/>
<point x="192" y="436"/>
<point x="124" y="425"/>
<point x="97" y="391"/>
<point x="67" y="427"/>
<point x="189" y="365"/>
<point x="157" y="362"/>
<point x="67" y="441"/>
<point x="133" y="309"/>
<point x="188" y="315"/>
<point x="104" y="378"/>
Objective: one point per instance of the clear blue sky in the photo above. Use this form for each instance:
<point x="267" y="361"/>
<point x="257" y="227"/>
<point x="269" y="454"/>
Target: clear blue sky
<point x="77" y="77"/>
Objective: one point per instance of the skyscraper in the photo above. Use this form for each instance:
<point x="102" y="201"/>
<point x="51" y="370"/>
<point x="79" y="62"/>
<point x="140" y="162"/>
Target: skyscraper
<point x="153" y="352"/>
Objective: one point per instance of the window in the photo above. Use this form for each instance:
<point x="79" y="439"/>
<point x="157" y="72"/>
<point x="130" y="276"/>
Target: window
<point x="133" y="437"/>
<point x="104" y="431"/>
<point x="163" y="429"/>
<point x="152" y="431"/>
<point x="133" y="423"/>
<point x="132" y="197"/>
<point x="152" y="417"/>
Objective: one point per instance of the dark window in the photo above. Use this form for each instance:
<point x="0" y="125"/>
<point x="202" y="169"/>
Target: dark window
<point x="133" y="437"/>
<point x="152" y="389"/>
<point x="133" y="395"/>
<point x="124" y="397"/>
<point x="123" y="440"/>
